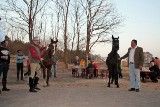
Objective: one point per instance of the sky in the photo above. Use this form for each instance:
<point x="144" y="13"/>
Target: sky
<point x="141" y="22"/>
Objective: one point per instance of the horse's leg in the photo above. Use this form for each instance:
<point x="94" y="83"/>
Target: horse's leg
<point x="48" y="75"/>
<point x="113" y="78"/>
<point x="109" y="79"/>
<point x="120" y="74"/>
<point x="116" y="79"/>
<point x="112" y="75"/>
<point x="44" y="76"/>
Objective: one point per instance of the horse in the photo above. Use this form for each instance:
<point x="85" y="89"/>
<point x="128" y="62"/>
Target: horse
<point x="46" y="64"/>
<point x="113" y="63"/>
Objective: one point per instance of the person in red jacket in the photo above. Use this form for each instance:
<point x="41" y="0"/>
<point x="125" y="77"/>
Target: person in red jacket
<point x="96" y="70"/>
<point x="35" y="58"/>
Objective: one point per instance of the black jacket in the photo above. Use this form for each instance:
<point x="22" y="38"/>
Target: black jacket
<point x="154" y="68"/>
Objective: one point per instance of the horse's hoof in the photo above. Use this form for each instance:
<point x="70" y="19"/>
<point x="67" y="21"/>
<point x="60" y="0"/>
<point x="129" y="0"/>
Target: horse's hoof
<point x="47" y="84"/>
<point x="108" y="86"/>
<point x="118" y="86"/>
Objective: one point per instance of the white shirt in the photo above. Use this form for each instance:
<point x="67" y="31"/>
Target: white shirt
<point x="131" y="54"/>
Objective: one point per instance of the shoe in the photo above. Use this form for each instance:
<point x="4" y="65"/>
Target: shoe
<point x="5" y="89"/>
<point x="156" y="81"/>
<point x="55" y="76"/>
<point x="37" y="88"/>
<point x="22" y="79"/>
<point x="32" y="90"/>
<point x="137" y="90"/>
<point x="131" y="89"/>
<point x="144" y="81"/>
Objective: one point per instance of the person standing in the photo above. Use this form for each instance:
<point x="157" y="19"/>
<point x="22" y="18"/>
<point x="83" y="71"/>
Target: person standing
<point x="135" y="63"/>
<point x="75" y="69"/>
<point x="54" y="65"/>
<point x="35" y="58"/>
<point x="76" y="61"/>
<point x="4" y="63"/>
<point x="20" y="59"/>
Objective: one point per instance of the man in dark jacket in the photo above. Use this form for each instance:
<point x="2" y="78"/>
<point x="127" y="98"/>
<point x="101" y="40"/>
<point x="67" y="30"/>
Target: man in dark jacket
<point x="4" y="63"/>
<point x="90" y="65"/>
<point x="154" y="71"/>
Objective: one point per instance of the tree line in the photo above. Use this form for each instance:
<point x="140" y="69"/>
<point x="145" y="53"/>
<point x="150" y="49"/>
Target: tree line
<point x="20" y="45"/>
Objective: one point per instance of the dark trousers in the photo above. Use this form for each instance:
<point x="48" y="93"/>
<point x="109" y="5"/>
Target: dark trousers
<point x="4" y="69"/>
<point x="153" y="76"/>
<point x="20" y="68"/>
<point x="143" y="75"/>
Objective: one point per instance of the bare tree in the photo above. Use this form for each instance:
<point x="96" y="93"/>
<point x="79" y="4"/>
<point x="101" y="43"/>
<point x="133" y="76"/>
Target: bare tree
<point x="64" y="5"/>
<point x="101" y="20"/>
<point x="22" y="14"/>
<point x="77" y="24"/>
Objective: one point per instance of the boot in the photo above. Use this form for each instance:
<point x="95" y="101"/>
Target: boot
<point x="4" y="87"/>
<point x="31" y="85"/>
<point x="35" y="83"/>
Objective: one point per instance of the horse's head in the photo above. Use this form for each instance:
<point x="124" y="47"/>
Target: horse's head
<point x="52" y="46"/>
<point x="115" y="43"/>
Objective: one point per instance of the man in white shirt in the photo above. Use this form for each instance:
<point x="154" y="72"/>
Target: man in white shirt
<point x="135" y="63"/>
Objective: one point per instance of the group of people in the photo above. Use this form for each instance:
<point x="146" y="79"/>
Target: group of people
<point x="154" y="70"/>
<point x="33" y="64"/>
<point x="82" y="64"/>
<point x="134" y="54"/>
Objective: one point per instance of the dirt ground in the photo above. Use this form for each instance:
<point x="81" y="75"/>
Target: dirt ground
<point x="68" y="91"/>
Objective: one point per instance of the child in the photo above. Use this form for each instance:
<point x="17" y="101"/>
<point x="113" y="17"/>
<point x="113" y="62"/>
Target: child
<point x="20" y="59"/>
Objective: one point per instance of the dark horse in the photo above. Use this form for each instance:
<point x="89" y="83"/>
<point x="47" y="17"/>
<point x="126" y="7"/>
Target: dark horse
<point x="113" y="63"/>
<point x="46" y="64"/>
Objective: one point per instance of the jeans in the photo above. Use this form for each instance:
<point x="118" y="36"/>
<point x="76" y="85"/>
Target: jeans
<point x="134" y="77"/>
<point x="54" y="68"/>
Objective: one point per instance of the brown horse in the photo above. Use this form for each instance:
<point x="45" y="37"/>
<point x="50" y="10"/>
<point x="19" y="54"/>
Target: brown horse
<point x="46" y="64"/>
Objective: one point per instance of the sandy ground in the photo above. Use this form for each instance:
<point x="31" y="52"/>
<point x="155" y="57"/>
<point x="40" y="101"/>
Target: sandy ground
<point x="68" y="91"/>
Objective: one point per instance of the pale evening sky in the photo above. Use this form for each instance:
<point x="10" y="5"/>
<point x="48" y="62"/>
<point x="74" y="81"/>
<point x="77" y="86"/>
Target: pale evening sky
<point x="142" y="22"/>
